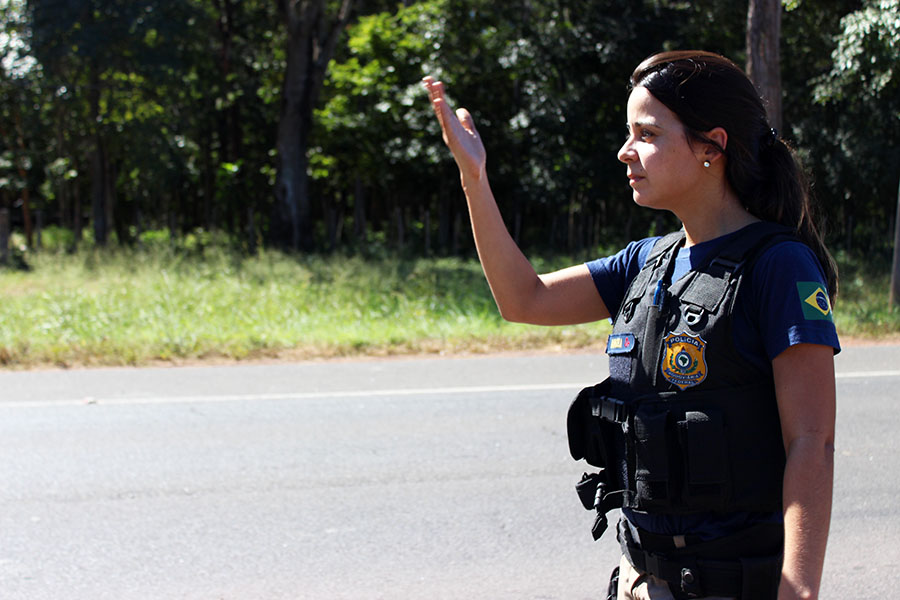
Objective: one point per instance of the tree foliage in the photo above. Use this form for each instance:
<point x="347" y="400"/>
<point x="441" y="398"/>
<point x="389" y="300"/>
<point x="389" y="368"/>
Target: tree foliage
<point x="860" y="93"/>
<point x="118" y="117"/>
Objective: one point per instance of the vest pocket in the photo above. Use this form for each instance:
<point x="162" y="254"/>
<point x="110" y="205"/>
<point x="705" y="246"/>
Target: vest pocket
<point x="653" y="481"/>
<point x="705" y="453"/>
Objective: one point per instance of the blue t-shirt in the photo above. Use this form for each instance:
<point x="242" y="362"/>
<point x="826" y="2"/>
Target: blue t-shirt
<point x="781" y="305"/>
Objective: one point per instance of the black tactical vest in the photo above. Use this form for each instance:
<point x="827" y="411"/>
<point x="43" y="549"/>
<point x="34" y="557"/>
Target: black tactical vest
<point x="684" y="423"/>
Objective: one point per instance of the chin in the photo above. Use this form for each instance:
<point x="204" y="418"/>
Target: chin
<point x="642" y="200"/>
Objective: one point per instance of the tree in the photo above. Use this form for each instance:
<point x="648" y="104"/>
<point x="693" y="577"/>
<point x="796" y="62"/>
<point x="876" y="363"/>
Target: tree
<point x="865" y="70"/>
<point x="313" y="27"/>
<point x="763" y="56"/>
<point x="859" y="142"/>
<point x="17" y="73"/>
<point x="102" y="51"/>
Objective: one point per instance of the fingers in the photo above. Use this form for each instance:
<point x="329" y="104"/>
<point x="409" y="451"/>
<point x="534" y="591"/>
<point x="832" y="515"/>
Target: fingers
<point x="435" y="93"/>
<point x="441" y="109"/>
<point x="439" y="103"/>
<point x="435" y="90"/>
<point x="465" y="118"/>
<point x="458" y="130"/>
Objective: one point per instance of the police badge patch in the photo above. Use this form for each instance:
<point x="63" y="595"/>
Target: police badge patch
<point x="684" y="360"/>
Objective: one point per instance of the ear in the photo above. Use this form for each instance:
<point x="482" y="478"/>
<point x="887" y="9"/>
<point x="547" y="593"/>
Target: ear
<point x="713" y="151"/>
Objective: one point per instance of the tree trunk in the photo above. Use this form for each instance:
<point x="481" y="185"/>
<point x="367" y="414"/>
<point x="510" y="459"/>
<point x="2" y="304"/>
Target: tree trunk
<point x="109" y="180"/>
<point x="291" y="219"/>
<point x="98" y="192"/>
<point x="251" y="230"/>
<point x="445" y="218"/>
<point x="763" y="57"/>
<point x="23" y="174"/>
<point x="311" y="40"/>
<point x="228" y="120"/>
<point x="399" y="227"/>
<point x="98" y="164"/>
<point x="4" y="236"/>
<point x="330" y="209"/>
<point x="77" y="217"/>
<point x="209" y="215"/>
<point x="359" y="211"/>
<point x="426" y="226"/>
<point x="894" y="296"/>
<point x="38" y="229"/>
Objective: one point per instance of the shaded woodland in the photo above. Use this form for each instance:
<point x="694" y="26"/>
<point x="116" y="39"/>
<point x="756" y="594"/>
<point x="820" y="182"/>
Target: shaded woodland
<point x="302" y="125"/>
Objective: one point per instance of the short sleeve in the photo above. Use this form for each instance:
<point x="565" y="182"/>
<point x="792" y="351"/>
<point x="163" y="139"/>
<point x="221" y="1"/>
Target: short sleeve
<point x="612" y="275"/>
<point x="791" y="302"/>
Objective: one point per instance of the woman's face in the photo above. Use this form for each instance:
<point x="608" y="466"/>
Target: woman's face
<point x="663" y="169"/>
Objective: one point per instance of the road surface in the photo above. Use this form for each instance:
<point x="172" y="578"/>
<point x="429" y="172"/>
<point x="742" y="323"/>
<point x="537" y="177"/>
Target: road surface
<point x="439" y="478"/>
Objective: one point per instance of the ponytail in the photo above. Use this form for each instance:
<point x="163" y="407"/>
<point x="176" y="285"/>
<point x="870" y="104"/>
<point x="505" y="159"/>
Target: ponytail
<point x="783" y="196"/>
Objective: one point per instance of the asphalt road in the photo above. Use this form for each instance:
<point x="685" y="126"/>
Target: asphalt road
<point x="359" y="480"/>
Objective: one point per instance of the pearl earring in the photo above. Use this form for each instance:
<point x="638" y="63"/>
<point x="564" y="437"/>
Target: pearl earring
<point x="706" y="163"/>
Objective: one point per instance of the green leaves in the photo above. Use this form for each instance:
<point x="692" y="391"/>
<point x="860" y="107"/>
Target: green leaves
<point x="183" y="98"/>
<point x="866" y="57"/>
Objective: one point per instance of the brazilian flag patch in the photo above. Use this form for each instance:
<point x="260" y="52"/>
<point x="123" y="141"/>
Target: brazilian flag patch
<point x="814" y="301"/>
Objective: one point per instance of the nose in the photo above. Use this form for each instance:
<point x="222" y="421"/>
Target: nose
<point x="626" y="152"/>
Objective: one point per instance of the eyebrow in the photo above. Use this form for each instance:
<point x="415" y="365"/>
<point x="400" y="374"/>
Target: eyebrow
<point x="644" y="124"/>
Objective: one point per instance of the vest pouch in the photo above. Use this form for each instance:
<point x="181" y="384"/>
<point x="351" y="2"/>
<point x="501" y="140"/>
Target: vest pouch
<point x="707" y="479"/>
<point x="653" y="440"/>
<point x="590" y="438"/>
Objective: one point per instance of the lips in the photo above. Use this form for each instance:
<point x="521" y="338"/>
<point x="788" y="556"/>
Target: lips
<point x="634" y="179"/>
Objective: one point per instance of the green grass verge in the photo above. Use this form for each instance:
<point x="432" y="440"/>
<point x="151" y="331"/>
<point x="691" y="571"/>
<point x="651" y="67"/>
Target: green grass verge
<point x="122" y="307"/>
<point x="129" y="307"/>
<point x="862" y="309"/>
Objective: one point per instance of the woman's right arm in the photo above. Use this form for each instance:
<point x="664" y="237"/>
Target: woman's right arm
<point x="563" y="297"/>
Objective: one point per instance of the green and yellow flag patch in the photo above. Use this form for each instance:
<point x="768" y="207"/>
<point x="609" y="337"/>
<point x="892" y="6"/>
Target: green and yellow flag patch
<point x="814" y="301"/>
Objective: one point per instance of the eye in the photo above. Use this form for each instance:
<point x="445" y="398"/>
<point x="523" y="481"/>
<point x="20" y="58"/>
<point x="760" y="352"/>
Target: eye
<point x="646" y="134"/>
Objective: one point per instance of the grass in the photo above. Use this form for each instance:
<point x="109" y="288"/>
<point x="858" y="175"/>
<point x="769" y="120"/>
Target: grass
<point x="862" y="310"/>
<point x="136" y="307"/>
<point x="126" y="307"/>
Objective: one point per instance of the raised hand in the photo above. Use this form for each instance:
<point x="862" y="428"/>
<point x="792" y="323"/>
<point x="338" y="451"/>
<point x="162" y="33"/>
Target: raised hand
<point x="459" y="133"/>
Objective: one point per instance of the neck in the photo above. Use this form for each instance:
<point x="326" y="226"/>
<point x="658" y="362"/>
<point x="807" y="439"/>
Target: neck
<point x="715" y="218"/>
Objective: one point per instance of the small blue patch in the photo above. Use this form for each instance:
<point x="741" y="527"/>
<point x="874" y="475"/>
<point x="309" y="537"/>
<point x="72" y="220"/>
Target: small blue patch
<point x="620" y="343"/>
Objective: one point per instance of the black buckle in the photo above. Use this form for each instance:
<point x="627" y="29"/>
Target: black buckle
<point x="690" y="582"/>
<point x="609" y="409"/>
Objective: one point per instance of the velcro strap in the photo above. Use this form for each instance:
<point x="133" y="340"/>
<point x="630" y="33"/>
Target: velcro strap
<point x="600" y="525"/>
<point x="707" y="289"/>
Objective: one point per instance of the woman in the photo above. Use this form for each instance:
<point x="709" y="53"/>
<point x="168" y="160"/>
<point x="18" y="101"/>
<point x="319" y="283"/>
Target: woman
<point x="715" y="431"/>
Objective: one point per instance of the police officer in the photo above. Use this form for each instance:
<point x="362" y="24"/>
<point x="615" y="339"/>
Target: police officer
<point x="714" y="433"/>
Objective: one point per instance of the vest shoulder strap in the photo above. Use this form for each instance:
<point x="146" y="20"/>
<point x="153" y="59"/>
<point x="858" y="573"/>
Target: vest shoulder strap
<point x="640" y="282"/>
<point x="709" y="287"/>
<point x="662" y="245"/>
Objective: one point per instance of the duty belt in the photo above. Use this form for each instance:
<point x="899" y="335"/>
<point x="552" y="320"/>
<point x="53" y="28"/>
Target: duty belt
<point x="754" y="578"/>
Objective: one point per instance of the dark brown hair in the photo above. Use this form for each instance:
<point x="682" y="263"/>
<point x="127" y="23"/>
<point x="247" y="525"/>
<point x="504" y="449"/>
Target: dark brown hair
<point x="706" y="90"/>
